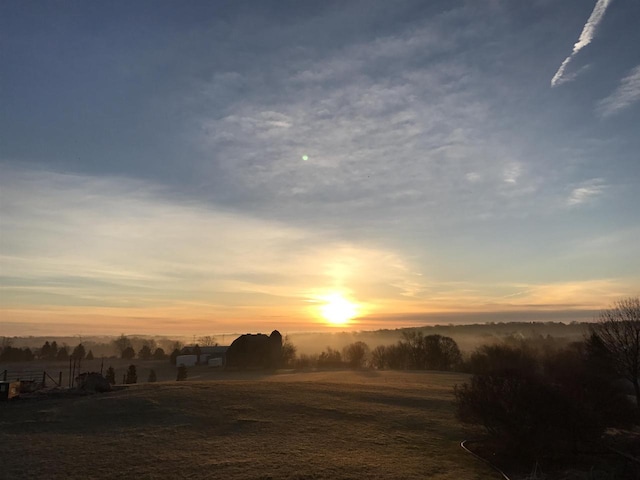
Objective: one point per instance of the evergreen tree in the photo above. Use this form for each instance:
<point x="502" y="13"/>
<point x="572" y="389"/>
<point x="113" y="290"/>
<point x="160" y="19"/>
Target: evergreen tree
<point x="132" y="375"/>
<point x="144" y="353"/>
<point x="182" y="373"/>
<point x="159" y="354"/>
<point x="128" y="353"/>
<point x="89" y="355"/>
<point x="63" y="352"/>
<point x="53" y="353"/>
<point x="111" y="375"/>
<point x="45" y="351"/>
<point x="78" y="352"/>
<point x="152" y="376"/>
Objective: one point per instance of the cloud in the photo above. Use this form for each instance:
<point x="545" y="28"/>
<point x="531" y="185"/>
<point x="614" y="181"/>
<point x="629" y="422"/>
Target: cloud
<point x="391" y="124"/>
<point x="586" y="192"/>
<point x="119" y="248"/>
<point x="586" y="36"/>
<point x="627" y="93"/>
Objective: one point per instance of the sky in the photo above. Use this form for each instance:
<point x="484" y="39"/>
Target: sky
<point x="239" y="166"/>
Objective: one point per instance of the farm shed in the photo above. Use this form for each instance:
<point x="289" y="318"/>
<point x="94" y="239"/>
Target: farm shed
<point x="186" y="360"/>
<point x="215" y="356"/>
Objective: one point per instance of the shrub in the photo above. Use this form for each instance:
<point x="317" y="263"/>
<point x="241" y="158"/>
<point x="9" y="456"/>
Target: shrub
<point x="182" y="373"/>
<point x="152" y="376"/>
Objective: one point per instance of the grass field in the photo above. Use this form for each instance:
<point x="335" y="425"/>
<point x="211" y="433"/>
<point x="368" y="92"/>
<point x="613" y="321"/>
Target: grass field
<point x="334" y="425"/>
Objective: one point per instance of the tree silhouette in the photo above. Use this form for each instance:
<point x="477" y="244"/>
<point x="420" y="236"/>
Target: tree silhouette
<point x="78" y="352"/>
<point x="111" y="375"/>
<point x="174" y="356"/>
<point x="63" y="352"/>
<point x="152" y="376"/>
<point x="288" y="352"/>
<point x="355" y="354"/>
<point x="144" y="353"/>
<point x="128" y="353"/>
<point x="121" y="344"/>
<point x="159" y="354"/>
<point x="618" y="330"/>
<point x="182" y="373"/>
<point x="132" y="375"/>
<point x="45" y="351"/>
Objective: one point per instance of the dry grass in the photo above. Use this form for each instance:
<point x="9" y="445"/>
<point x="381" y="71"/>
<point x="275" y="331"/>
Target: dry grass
<point x="335" y="425"/>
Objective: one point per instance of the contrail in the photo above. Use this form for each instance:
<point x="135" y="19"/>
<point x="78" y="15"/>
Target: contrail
<point x="586" y="36"/>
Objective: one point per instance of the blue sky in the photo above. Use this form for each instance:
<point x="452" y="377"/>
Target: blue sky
<point x="463" y="158"/>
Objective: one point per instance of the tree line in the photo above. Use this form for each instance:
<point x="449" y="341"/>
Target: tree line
<point x="415" y="351"/>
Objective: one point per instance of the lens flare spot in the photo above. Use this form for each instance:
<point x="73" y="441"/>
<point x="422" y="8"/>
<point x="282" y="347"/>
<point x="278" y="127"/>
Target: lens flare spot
<point x="305" y="157"/>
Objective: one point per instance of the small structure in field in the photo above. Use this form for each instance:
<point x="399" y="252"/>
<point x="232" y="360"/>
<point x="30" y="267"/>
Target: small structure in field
<point x="213" y="356"/>
<point x="186" y="360"/>
<point x="9" y="390"/>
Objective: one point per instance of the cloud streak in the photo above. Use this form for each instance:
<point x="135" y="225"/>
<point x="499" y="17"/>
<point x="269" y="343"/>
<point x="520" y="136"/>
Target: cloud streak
<point x="586" y="192"/>
<point x="588" y="32"/>
<point x="627" y="93"/>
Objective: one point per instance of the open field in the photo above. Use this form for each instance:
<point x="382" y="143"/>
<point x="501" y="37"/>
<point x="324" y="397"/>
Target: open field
<point x="338" y="425"/>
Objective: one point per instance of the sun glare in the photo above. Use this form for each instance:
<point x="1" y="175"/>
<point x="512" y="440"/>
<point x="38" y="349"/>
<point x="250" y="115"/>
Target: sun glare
<point x="337" y="310"/>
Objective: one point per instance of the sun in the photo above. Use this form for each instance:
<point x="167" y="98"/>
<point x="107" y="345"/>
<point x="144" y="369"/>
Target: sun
<point x="337" y="310"/>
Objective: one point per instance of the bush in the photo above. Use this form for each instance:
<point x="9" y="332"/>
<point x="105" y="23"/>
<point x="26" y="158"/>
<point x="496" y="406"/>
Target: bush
<point x="182" y="373"/>
<point x="152" y="376"/>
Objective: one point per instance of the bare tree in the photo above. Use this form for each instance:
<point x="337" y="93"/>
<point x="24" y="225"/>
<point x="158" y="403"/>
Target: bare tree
<point x="208" y="341"/>
<point x="355" y="354"/>
<point x="618" y="329"/>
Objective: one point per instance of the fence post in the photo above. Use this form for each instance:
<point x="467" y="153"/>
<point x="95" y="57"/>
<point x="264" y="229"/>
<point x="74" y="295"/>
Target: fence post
<point x="44" y="378"/>
<point x="60" y="379"/>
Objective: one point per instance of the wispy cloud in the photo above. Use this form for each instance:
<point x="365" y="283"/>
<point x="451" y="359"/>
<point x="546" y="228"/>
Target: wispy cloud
<point x="586" y="36"/>
<point x="126" y="249"/>
<point x="586" y="192"/>
<point x="627" y="93"/>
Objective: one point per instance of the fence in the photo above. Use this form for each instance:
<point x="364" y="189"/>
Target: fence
<point x="31" y="379"/>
